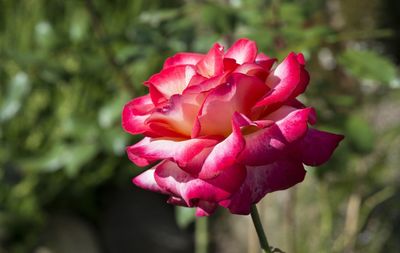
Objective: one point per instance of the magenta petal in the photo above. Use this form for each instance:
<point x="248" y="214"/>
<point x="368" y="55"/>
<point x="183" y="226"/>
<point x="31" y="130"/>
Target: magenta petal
<point x="176" y="201"/>
<point x="146" y="181"/>
<point x="181" y="184"/>
<point x="135" y="113"/>
<point x="183" y="59"/>
<point x="317" y="146"/>
<point x="292" y="122"/>
<point x="243" y="51"/>
<point x="183" y="152"/>
<point x="205" y="208"/>
<point x="283" y="81"/>
<point x="263" y="179"/>
<point x="274" y="141"/>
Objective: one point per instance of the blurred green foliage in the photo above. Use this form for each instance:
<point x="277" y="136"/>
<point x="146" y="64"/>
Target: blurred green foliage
<point x="67" y="68"/>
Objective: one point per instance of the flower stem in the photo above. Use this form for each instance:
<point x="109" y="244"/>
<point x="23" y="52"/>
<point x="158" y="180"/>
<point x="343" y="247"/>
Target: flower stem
<point x="201" y="235"/>
<point x="260" y="231"/>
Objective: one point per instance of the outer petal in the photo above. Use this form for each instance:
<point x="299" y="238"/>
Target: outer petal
<point x="176" y="201"/>
<point x="239" y="94"/>
<point x="179" y="183"/>
<point x="135" y="113"/>
<point x="183" y="59"/>
<point x="171" y="81"/>
<point x="263" y="179"/>
<point x="283" y="81"/>
<point x="304" y="77"/>
<point x="275" y="141"/>
<point x="317" y="146"/>
<point x="212" y="64"/>
<point x="146" y="181"/>
<point x="243" y="51"/>
<point x="205" y="208"/>
<point x="182" y="152"/>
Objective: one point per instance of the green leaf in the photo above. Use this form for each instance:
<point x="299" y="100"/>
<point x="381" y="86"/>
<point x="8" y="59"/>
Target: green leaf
<point x="360" y="134"/>
<point x="71" y="157"/>
<point x="368" y="65"/>
<point x="18" y="88"/>
<point x="111" y="112"/>
<point x="184" y="216"/>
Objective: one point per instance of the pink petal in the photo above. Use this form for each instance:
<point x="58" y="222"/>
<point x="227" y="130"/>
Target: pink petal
<point x="182" y="152"/>
<point x="239" y="94"/>
<point x="283" y="81"/>
<point x="301" y="59"/>
<point x="304" y="77"/>
<point x="183" y="59"/>
<point x="176" y="201"/>
<point x="135" y="113"/>
<point x="146" y="181"/>
<point x="274" y="141"/>
<point x="265" y="61"/>
<point x="171" y="81"/>
<point x="317" y="146"/>
<point x="177" y="115"/>
<point x="206" y="85"/>
<point x="212" y="63"/>
<point x="243" y="51"/>
<point x="292" y="122"/>
<point x="263" y="179"/>
<point x="224" y="154"/>
<point x="262" y="57"/>
<point x="181" y="184"/>
<point x="252" y="69"/>
<point x="205" y="208"/>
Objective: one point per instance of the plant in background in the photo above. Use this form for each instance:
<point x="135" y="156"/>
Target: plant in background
<point x="227" y="129"/>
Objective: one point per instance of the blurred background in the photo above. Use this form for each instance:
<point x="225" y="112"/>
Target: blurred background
<point x="68" y="67"/>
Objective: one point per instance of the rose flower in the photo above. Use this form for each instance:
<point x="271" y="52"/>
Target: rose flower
<point x="225" y="128"/>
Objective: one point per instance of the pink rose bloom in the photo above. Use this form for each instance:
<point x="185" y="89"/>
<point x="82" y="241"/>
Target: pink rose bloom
<point x="225" y="128"/>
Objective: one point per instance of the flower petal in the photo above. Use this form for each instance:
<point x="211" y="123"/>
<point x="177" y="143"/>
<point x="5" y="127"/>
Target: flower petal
<point x="135" y="113"/>
<point x="182" y="59"/>
<point x="181" y="184"/>
<point x="239" y="94"/>
<point x="265" y="61"/>
<point x="224" y="154"/>
<point x="176" y="201"/>
<point x="178" y="114"/>
<point x="317" y="146"/>
<point x="264" y="179"/>
<point x="283" y="81"/>
<point x="243" y="51"/>
<point x="182" y="152"/>
<point x="273" y="142"/>
<point x="146" y="181"/>
<point x="205" y="208"/>
<point x="212" y="64"/>
<point x="207" y="84"/>
<point x="171" y="81"/>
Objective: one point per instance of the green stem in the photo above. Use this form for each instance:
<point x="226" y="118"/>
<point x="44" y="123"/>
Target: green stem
<point x="201" y="235"/>
<point x="260" y="231"/>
